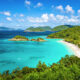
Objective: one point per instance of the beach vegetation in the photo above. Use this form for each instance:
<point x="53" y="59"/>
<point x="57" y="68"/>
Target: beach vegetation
<point x="20" y="37"/>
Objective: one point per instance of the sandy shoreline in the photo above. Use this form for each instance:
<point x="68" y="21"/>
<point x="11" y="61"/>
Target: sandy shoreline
<point x="75" y="48"/>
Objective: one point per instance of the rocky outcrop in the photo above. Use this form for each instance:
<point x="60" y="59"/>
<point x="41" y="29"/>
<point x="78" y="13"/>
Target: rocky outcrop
<point x="33" y="39"/>
<point x="40" y="39"/>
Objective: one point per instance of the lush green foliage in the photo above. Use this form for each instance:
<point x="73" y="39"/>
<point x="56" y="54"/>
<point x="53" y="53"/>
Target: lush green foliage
<point x="20" y="37"/>
<point x="48" y="28"/>
<point x="43" y="28"/>
<point x="71" y="35"/>
<point x="61" y="27"/>
<point x="67" y="68"/>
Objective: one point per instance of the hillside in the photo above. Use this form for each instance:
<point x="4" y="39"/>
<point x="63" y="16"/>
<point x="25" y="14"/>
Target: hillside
<point x="5" y="28"/>
<point x="38" y="29"/>
<point x="2" y="28"/>
<point x="71" y="35"/>
<point x="47" y="28"/>
<point x="61" y="27"/>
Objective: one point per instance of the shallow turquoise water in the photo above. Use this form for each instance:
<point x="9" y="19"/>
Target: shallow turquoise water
<point x="29" y="53"/>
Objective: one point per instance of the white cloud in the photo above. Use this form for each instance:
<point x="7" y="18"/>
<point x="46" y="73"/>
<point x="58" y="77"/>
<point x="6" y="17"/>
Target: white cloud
<point x="21" y="20"/>
<point x="45" y="17"/>
<point x="6" y="13"/>
<point x="69" y="9"/>
<point x="38" y="5"/>
<point x="73" y="20"/>
<point x="54" y="19"/>
<point x="42" y="19"/>
<point x="21" y="15"/>
<point x="79" y="11"/>
<point x="60" y="17"/>
<point x="60" y="7"/>
<point x="9" y="19"/>
<point x="28" y="2"/>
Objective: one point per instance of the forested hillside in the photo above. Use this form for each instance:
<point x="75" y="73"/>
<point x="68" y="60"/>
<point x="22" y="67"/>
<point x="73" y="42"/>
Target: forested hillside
<point x="71" y="35"/>
<point x="48" y="28"/>
<point x="61" y="27"/>
<point x="37" y="29"/>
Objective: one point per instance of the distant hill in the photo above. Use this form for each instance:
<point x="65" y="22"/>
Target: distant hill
<point x="38" y="29"/>
<point x="5" y="28"/>
<point x="48" y="28"/>
<point x="61" y="27"/>
<point x="8" y="29"/>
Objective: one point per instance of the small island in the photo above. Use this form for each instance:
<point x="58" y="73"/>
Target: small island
<point x="40" y="39"/>
<point x="23" y="38"/>
<point x="33" y="39"/>
<point x="19" y="38"/>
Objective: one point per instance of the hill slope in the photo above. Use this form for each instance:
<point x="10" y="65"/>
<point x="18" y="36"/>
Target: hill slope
<point x="44" y="28"/>
<point x="61" y="27"/>
<point x="5" y="28"/>
<point x="9" y="29"/>
<point x="71" y="35"/>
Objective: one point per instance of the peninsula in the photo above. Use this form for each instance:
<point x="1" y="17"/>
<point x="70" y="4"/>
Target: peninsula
<point x="71" y="38"/>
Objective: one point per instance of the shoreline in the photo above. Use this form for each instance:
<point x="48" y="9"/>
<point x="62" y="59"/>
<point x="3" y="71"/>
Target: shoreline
<point x="74" y="48"/>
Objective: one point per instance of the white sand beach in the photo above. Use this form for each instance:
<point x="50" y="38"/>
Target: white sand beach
<point x="75" y="48"/>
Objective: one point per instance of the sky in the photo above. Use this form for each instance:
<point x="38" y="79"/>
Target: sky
<point x="21" y="14"/>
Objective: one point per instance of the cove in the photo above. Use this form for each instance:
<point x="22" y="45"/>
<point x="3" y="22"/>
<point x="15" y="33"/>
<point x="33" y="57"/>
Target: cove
<point x="28" y="53"/>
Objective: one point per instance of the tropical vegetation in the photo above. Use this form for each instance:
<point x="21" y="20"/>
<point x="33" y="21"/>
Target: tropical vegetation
<point x="68" y="68"/>
<point x="71" y="35"/>
<point x="38" y="29"/>
<point x="20" y="37"/>
<point x="48" y="28"/>
<point x="61" y="27"/>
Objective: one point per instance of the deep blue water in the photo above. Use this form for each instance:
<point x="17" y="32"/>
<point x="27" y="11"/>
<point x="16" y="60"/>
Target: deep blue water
<point x="28" y="53"/>
<point x="10" y="34"/>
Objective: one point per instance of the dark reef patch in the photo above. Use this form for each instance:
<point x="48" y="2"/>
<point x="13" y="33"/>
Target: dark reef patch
<point x="7" y="62"/>
<point x="37" y="57"/>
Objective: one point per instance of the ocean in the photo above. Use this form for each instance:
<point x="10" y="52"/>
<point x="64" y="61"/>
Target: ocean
<point x="20" y="54"/>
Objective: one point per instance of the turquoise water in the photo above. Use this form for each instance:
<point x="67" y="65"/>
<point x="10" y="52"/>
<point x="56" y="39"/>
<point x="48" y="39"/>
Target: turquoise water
<point x="29" y="53"/>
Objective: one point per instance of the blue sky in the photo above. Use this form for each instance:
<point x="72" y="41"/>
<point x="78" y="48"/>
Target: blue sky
<point x="26" y="13"/>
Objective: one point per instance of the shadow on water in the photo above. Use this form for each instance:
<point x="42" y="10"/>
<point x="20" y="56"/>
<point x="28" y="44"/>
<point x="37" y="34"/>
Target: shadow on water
<point x="7" y="62"/>
<point x="36" y="57"/>
<point x="3" y="51"/>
